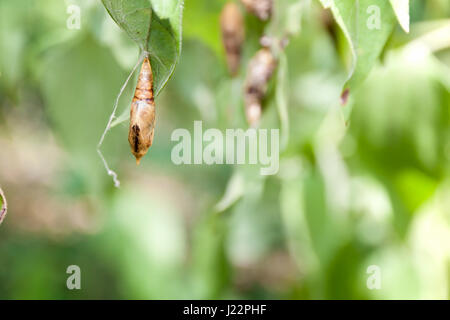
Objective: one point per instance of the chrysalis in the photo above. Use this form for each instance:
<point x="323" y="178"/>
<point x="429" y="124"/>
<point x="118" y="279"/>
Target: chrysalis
<point x="232" y="25"/>
<point x="260" y="70"/>
<point x="142" y="113"/>
<point x="260" y="8"/>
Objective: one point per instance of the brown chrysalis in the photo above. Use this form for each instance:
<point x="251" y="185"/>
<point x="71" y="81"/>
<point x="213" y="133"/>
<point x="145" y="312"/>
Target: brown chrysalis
<point x="232" y="26"/>
<point x="260" y="70"/>
<point x="260" y="8"/>
<point x="142" y="113"/>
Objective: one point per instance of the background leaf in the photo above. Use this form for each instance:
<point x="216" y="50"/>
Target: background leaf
<point x="366" y="43"/>
<point x="401" y="9"/>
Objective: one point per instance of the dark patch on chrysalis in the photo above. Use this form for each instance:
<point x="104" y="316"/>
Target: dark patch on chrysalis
<point x="136" y="132"/>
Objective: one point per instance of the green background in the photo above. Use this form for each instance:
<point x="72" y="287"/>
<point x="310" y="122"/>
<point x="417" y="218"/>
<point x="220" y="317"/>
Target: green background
<point x="354" y="189"/>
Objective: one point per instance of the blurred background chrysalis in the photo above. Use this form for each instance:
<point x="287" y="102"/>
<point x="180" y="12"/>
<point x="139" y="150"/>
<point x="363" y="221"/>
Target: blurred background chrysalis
<point x="232" y="27"/>
<point x="260" y="70"/>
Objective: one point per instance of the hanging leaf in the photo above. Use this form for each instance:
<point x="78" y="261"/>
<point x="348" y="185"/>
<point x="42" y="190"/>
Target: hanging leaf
<point x="3" y="205"/>
<point x="155" y="26"/>
<point x="366" y="25"/>
<point x="134" y="17"/>
<point x="401" y="9"/>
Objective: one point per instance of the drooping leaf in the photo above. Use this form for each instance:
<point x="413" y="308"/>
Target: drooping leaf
<point x="366" y="25"/>
<point x="155" y="25"/>
<point x="401" y="9"/>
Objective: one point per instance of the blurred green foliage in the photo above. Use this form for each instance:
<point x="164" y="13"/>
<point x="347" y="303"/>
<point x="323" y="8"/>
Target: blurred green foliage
<point x="363" y="184"/>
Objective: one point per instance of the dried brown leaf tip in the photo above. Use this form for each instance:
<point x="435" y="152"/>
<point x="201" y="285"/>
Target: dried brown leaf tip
<point x="3" y="205"/>
<point x="232" y="26"/>
<point x="260" y="70"/>
<point x="260" y="8"/>
<point x="142" y="113"/>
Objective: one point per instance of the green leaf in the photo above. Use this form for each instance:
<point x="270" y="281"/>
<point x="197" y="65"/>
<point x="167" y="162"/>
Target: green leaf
<point x="415" y="188"/>
<point x="401" y="9"/>
<point x="155" y="25"/>
<point x="134" y="17"/>
<point x="366" y="25"/>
